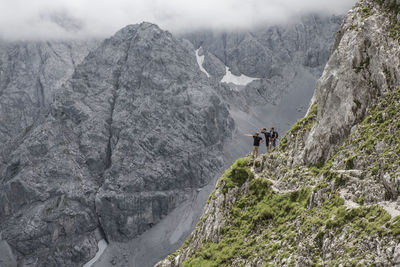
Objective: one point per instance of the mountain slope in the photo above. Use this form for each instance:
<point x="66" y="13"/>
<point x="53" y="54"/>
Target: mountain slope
<point x="112" y="157"/>
<point x="30" y="73"/>
<point x="329" y="194"/>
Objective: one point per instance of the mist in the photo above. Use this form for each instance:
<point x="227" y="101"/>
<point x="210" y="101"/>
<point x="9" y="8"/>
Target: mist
<point x="65" y="19"/>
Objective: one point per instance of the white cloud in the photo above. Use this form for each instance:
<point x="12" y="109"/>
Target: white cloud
<point x="38" y="19"/>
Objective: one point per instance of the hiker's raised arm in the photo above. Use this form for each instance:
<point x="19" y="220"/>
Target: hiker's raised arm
<point x="249" y="135"/>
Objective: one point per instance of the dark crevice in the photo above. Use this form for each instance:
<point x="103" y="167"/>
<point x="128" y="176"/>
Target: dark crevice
<point x="40" y="92"/>
<point x="262" y="96"/>
<point x="70" y="49"/>
<point x="102" y="232"/>
<point x="117" y="76"/>
<point x="108" y="161"/>
<point x="40" y="87"/>
<point x="55" y="52"/>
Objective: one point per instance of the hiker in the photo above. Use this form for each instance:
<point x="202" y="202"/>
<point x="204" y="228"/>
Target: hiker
<point x="267" y="138"/>
<point x="274" y="135"/>
<point x="256" y="143"/>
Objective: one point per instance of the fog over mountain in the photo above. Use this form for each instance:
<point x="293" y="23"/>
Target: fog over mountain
<point x="47" y="19"/>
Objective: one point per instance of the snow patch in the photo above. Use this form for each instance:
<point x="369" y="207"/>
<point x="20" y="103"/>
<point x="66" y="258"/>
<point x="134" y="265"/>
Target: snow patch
<point x="200" y="61"/>
<point x="102" y="245"/>
<point x="238" y="80"/>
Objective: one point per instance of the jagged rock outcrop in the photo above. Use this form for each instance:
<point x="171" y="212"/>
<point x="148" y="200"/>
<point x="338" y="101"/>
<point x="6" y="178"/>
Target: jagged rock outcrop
<point x="135" y="127"/>
<point x="30" y="73"/>
<point x="363" y="67"/>
<point x="328" y="195"/>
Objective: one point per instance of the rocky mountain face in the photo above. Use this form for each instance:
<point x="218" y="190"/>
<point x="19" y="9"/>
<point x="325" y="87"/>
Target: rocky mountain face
<point x="30" y="73"/>
<point x="280" y="57"/>
<point x="328" y="195"/>
<point x="134" y="129"/>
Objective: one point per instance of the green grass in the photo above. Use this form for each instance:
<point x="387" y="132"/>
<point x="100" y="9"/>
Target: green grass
<point x="237" y="175"/>
<point x="382" y="124"/>
<point x="366" y="12"/>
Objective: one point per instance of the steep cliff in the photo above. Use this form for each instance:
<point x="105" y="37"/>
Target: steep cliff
<point x="134" y="129"/>
<point x="328" y="195"/>
<point x="30" y="73"/>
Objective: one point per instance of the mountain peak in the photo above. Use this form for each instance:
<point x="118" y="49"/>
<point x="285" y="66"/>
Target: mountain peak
<point x="144" y="28"/>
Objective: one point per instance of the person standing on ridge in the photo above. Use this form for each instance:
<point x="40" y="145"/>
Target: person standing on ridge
<point x="256" y="143"/>
<point x="267" y="138"/>
<point x="274" y="135"/>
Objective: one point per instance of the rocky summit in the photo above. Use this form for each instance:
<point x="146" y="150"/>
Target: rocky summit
<point x="135" y="127"/>
<point x="328" y="195"/>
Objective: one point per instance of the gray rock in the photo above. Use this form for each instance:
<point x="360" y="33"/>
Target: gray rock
<point x="341" y="86"/>
<point x="7" y="258"/>
<point x="396" y="254"/>
<point x="276" y="54"/>
<point x="214" y="66"/>
<point x="30" y="73"/>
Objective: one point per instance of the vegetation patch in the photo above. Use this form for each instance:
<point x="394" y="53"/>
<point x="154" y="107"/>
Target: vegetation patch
<point x="366" y="12"/>
<point x="381" y="125"/>
<point x="350" y="163"/>
<point x="391" y="8"/>
<point x="237" y="175"/>
<point x="363" y="65"/>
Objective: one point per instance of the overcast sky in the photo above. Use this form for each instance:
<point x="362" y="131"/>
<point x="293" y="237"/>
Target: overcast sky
<point x="38" y="19"/>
